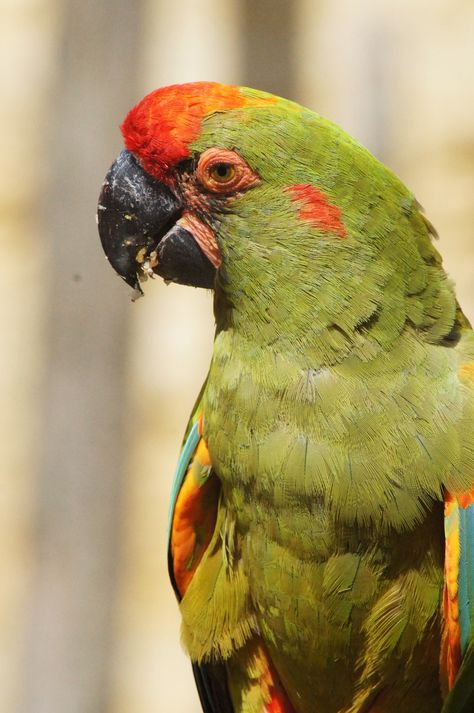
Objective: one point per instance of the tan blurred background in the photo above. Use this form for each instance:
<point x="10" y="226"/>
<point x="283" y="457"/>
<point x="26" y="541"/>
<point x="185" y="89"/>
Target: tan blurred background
<point x="95" y="391"/>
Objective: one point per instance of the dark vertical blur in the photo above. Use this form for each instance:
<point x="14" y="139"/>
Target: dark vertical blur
<point x="79" y="484"/>
<point x="268" y="28"/>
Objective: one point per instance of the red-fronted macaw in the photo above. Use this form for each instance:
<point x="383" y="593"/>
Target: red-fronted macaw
<point x="322" y="519"/>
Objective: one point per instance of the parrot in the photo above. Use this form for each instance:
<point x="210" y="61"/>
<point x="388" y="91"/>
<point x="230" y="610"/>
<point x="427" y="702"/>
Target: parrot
<point x="321" y="522"/>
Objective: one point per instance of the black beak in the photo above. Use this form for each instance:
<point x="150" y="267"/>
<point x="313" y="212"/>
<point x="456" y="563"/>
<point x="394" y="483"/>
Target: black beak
<point x="137" y="218"/>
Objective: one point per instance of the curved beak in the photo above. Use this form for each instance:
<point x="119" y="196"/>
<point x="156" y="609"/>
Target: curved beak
<point x="137" y="218"/>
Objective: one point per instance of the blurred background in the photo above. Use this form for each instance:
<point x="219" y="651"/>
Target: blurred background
<point x="96" y="391"/>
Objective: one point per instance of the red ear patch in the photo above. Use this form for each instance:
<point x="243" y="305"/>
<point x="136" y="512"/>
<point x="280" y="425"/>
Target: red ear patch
<point x="315" y="207"/>
<point x="160" y="128"/>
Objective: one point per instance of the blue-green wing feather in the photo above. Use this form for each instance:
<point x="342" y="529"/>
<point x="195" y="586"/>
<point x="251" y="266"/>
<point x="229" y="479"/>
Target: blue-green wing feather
<point x="184" y="460"/>
<point x="461" y="697"/>
<point x="466" y="574"/>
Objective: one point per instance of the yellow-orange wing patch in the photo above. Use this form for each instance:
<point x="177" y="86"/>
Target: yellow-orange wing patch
<point x="194" y="516"/>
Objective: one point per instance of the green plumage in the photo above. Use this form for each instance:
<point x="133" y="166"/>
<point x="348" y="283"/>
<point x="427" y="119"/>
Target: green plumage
<point x="321" y="529"/>
<point x="335" y="419"/>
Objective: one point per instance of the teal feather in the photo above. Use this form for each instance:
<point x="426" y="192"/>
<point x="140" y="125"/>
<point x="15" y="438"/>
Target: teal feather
<point x="184" y="460"/>
<point x="466" y="573"/>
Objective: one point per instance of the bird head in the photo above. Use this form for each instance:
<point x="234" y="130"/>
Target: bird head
<point x="275" y="207"/>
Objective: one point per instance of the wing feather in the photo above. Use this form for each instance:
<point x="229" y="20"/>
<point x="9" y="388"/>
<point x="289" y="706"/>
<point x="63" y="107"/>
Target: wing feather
<point x="191" y="521"/>
<point x="457" y="658"/>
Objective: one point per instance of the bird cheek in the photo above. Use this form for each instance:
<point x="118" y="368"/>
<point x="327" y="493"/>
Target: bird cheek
<point x="203" y="235"/>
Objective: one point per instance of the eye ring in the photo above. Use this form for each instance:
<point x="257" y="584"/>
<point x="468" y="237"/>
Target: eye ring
<point x="224" y="171"/>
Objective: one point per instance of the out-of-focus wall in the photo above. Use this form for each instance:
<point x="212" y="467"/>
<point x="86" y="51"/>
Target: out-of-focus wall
<point x="398" y="75"/>
<point x="28" y="31"/>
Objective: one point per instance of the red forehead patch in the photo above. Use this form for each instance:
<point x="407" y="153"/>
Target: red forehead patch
<point x="160" y="128"/>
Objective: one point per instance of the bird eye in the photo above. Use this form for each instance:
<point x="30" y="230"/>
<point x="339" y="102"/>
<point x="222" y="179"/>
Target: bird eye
<point x="222" y="172"/>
